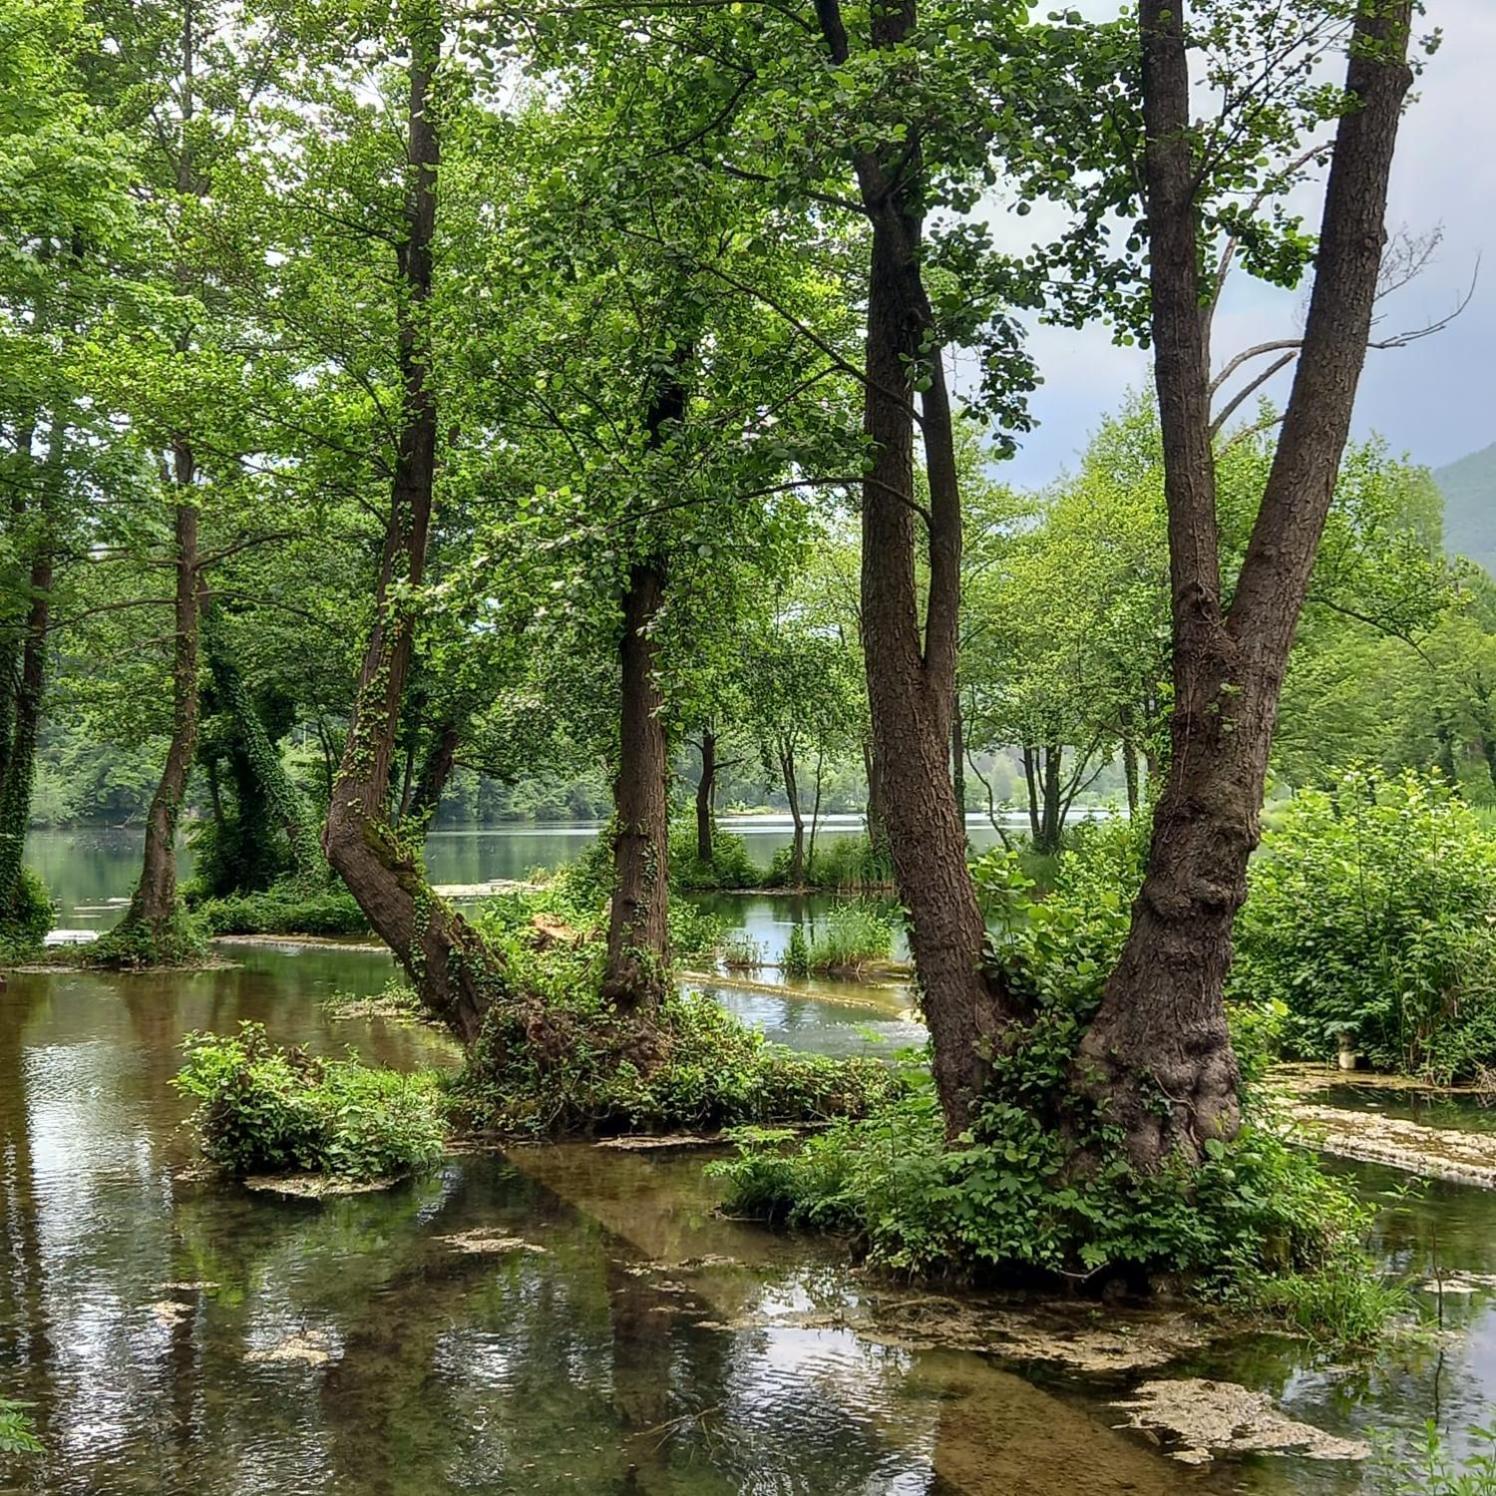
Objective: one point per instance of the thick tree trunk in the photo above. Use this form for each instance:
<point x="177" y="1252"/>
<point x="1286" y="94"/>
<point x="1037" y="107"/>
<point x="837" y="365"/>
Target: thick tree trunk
<point x="706" y="789"/>
<point x="958" y="756"/>
<point x="1158" y="1055"/>
<point x="787" y="772"/>
<point x="634" y="977"/>
<point x="455" y="974"/>
<point x="877" y="822"/>
<point x="15" y="800"/>
<point x="1052" y="813"/>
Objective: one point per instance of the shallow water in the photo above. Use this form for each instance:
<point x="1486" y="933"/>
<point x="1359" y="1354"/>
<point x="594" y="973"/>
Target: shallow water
<point x="650" y="1346"/>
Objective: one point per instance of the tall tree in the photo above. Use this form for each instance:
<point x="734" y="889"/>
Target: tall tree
<point x="1158" y="1053"/>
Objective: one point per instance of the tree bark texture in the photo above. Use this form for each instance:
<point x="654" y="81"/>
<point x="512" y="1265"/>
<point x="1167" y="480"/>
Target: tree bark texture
<point x="451" y="968"/>
<point x="634" y="977"/>
<point x="1158" y="1054"/>
<point x="911" y="661"/>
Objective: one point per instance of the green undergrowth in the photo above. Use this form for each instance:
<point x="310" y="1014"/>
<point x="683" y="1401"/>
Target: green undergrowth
<point x="850" y="939"/>
<point x="27" y="919"/>
<point x="292" y="907"/>
<point x="137" y="945"/>
<point x="842" y="864"/>
<point x="1040" y="1187"/>
<point x="561" y="1061"/>
<point x="17" y="1431"/>
<point x="1424" y="1464"/>
<point x="265" y="1109"/>
<point x="729" y="866"/>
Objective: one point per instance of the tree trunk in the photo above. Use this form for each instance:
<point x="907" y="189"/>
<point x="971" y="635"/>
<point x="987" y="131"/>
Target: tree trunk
<point x="1130" y="764"/>
<point x="1052" y="817"/>
<point x="791" y="780"/>
<point x="706" y="788"/>
<point x="877" y="822"/>
<point x="958" y="757"/>
<point x="455" y="974"/>
<point x="634" y="977"/>
<point x="1031" y="783"/>
<point x="1158" y="1055"/>
<point x="29" y="685"/>
<point x="153" y="908"/>
<point x="440" y="760"/>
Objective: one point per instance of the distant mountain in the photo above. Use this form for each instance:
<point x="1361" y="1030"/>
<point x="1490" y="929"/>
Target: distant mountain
<point x="1469" y="489"/>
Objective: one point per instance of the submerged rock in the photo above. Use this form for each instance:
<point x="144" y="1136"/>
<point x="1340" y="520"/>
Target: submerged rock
<point x="1209" y="1418"/>
<point x="310" y="1347"/>
<point x="1433" y="1152"/>
<point x="485" y="1240"/>
<point x="313" y="1186"/>
<point x="170" y="1312"/>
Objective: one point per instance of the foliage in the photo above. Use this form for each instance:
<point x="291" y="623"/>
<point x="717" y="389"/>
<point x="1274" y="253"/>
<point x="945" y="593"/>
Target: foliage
<point x="796" y="958"/>
<point x="177" y="941"/>
<point x="730" y="866"/>
<point x="1428" y="1468"/>
<point x="851" y="937"/>
<point x="571" y="1065"/>
<point x="292" y="907"/>
<point x="25" y="924"/>
<point x="266" y="1109"/>
<point x="1372" y="914"/>
<point x="17" y="1432"/>
<point x="842" y="864"/>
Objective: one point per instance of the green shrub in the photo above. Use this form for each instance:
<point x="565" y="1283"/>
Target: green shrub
<point x="132" y="944"/>
<point x="1041" y="1184"/>
<point x="845" y="864"/>
<point x="694" y="932"/>
<point x="568" y="1064"/>
<point x="730" y="866"/>
<point x="740" y="952"/>
<point x="852" y="936"/>
<point x="289" y="908"/>
<point x="17" y="1432"/>
<point x="24" y="925"/>
<point x="796" y="958"/>
<point x="266" y="1109"/>
<point x="1372" y="914"/>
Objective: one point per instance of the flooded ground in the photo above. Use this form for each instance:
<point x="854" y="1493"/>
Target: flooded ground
<point x="562" y="1319"/>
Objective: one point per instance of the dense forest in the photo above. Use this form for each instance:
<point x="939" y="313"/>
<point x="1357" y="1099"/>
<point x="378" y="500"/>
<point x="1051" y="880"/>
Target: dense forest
<point x="419" y="414"/>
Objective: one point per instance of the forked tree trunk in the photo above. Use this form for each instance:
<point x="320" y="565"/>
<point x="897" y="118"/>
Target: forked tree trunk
<point x="153" y="907"/>
<point x="635" y="976"/>
<point x="706" y="789"/>
<point x="451" y="968"/>
<point x="1158" y="1054"/>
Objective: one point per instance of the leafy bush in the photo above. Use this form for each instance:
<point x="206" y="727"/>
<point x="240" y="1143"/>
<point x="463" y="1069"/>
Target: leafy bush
<point x="563" y="1062"/>
<point x="796" y="958"/>
<point x="740" y="952"/>
<point x="177" y="941"/>
<point x="1372" y="914"/>
<point x="266" y="1109"/>
<point x="1041" y="1184"/>
<point x="289" y="908"/>
<point x="730" y="865"/>
<point x="853" y="936"/>
<point x="17" y="1432"/>
<point x="24" y="925"/>
<point x="844" y="864"/>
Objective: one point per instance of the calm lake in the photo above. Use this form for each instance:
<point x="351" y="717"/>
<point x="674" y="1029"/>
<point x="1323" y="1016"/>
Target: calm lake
<point x="181" y="1336"/>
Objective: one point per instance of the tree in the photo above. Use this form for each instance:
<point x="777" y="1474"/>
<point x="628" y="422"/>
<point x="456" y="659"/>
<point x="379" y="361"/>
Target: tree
<point x="1157" y="1053"/>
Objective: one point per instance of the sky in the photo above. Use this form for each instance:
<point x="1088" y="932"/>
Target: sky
<point x="1434" y="401"/>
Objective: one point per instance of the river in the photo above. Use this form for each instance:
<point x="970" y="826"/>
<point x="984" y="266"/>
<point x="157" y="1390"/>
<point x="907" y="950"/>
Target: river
<point x="179" y="1336"/>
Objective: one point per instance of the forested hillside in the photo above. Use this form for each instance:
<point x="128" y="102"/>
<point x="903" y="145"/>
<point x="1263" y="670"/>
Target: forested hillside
<point x="1469" y="489"/>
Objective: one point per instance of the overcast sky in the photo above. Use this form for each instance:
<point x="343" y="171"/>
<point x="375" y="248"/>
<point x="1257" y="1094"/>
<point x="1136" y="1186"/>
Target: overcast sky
<point x="1435" y="400"/>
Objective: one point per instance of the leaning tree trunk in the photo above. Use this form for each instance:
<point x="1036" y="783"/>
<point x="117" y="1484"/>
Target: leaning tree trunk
<point x="436" y="770"/>
<point x="149" y="923"/>
<point x="634" y="977"/>
<point x="453" y="971"/>
<point x="706" y="789"/>
<point x="1158" y="1055"/>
